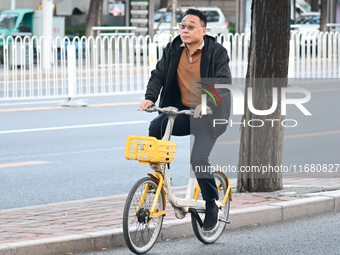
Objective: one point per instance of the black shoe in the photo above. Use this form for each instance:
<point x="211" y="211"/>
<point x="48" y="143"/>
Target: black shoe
<point x="211" y="215"/>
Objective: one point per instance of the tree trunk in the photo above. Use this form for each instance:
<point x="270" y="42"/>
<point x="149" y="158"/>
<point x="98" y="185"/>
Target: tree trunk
<point x="267" y="69"/>
<point x="315" y="5"/>
<point x="244" y="179"/>
<point x="164" y="4"/>
<point x="323" y="18"/>
<point x="94" y="17"/>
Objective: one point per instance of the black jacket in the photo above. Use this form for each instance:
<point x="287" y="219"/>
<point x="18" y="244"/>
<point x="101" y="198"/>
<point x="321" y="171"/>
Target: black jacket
<point x="214" y="70"/>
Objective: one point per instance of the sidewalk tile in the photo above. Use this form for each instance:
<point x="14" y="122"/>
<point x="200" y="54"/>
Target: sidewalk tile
<point x="101" y="214"/>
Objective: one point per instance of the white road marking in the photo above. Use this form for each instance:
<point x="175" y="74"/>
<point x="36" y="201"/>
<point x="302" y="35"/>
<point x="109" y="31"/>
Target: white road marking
<point x="64" y="153"/>
<point x="73" y="127"/>
<point x="122" y="149"/>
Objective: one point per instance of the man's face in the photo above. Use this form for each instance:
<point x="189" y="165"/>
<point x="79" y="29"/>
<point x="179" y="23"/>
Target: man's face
<point x="192" y="36"/>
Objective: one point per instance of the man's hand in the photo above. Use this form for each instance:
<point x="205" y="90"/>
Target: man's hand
<point x="145" y="104"/>
<point x="198" y="111"/>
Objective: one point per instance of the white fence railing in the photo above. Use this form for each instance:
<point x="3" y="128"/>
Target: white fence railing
<point x="315" y="55"/>
<point x="119" y="65"/>
<point x="100" y="66"/>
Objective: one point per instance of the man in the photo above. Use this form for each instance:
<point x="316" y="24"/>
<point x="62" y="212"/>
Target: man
<point x="193" y="54"/>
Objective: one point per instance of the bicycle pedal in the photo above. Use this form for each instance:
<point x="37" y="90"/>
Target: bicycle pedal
<point x="227" y="222"/>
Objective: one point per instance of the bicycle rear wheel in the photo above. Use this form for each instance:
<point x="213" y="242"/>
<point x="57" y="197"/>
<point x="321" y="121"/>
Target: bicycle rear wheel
<point x="140" y="230"/>
<point x="210" y="237"/>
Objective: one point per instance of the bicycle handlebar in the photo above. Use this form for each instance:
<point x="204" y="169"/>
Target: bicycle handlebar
<point x="170" y="110"/>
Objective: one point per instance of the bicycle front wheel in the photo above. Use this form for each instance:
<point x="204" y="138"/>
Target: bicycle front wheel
<point x="140" y="229"/>
<point x="212" y="236"/>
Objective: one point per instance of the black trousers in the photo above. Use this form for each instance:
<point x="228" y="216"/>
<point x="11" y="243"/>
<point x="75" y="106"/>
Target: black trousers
<point x="204" y="141"/>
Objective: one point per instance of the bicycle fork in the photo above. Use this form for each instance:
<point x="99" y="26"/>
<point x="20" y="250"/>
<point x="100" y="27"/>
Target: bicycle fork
<point x="154" y="212"/>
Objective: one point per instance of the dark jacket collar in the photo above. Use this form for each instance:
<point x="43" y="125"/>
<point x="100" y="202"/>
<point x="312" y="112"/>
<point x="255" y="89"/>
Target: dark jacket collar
<point x="209" y="43"/>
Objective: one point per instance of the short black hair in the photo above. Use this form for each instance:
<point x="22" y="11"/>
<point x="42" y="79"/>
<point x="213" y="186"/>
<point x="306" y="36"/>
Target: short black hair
<point x="197" y="13"/>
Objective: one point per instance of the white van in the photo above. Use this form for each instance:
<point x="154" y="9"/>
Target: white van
<point x="216" y="21"/>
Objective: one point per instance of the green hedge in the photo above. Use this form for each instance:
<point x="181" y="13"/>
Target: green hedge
<point x="232" y="28"/>
<point x="76" y="30"/>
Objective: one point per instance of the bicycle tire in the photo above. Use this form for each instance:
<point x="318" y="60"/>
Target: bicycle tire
<point x="211" y="237"/>
<point x="140" y="236"/>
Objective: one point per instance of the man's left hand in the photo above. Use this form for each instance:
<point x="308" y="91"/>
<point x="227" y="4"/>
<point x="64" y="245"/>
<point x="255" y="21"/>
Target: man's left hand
<point x="198" y="111"/>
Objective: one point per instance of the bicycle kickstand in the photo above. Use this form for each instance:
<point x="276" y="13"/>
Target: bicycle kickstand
<point x="198" y="218"/>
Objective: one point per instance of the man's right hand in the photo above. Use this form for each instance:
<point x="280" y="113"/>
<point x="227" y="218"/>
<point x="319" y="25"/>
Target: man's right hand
<point x="145" y="104"/>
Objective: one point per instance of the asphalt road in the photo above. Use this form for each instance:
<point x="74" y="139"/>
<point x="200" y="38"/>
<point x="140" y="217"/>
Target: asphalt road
<point x="55" y="155"/>
<point x="318" y="234"/>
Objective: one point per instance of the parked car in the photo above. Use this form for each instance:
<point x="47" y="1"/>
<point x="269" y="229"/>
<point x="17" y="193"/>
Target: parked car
<point x="216" y="21"/>
<point x="304" y="10"/>
<point x="27" y="22"/>
<point x="309" y="27"/>
<point x="309" y="23"/>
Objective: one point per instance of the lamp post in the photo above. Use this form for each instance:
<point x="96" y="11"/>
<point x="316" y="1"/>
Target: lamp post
<point x="12" y="4"/>
<point x="47" y="11"/>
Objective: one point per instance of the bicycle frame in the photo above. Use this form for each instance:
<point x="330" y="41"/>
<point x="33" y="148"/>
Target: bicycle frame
<point x="162" y="177"/>
<point x="145" y="206"/>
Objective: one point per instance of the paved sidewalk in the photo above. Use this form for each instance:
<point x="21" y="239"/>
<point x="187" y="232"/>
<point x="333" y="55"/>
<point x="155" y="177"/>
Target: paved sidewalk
<point x="51" y="223"/>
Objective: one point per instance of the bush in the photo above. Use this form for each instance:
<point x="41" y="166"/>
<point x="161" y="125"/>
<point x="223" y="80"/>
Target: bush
<point x="232" y="28"/>
<point x="78" y="30"/>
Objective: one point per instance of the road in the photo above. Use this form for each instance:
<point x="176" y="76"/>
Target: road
<point x="53" y="155"/>
<point x="318" y="234"/>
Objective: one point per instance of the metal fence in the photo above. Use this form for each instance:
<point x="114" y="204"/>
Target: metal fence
<point x="315" y="55"/>
<point x="36" y="68"/>
<point x="77" y="67"/>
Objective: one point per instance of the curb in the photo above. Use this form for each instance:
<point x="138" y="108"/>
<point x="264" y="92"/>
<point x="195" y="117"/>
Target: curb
<point x="314" y="203"/>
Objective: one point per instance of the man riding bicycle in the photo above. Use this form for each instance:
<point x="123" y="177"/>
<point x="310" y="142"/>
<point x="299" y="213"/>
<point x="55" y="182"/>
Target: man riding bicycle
<point x="193" y="54"/>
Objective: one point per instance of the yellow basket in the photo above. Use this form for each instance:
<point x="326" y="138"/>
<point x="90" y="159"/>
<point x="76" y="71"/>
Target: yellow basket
<point x="147" y="149"/>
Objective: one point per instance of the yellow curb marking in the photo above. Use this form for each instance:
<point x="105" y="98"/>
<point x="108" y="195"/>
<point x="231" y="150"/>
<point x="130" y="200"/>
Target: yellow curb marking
<point x="32" y="109"/>
<point x="28" y="163"/>
<point x="62" y="107"/>
<point x="335" y="132"/>
<point x="228" y="143"/>
<point x="118" y="104"/>
<point x="115" y="104"/>
<point x="313" y="134"/>
<point x="324" y="90"/>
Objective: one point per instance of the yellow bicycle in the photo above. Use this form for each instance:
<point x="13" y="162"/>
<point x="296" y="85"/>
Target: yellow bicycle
<point x="145" y="206"/>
